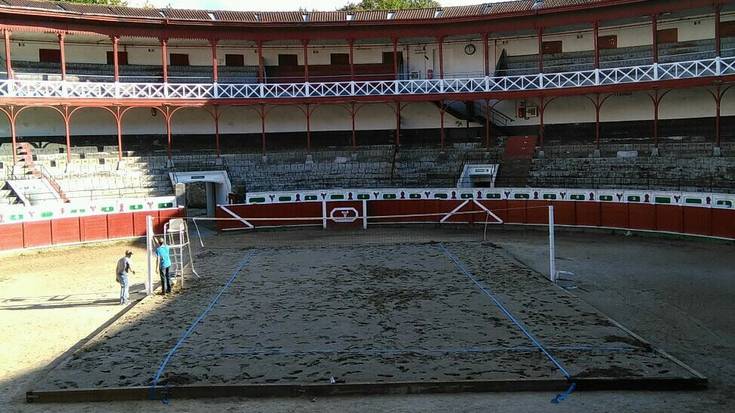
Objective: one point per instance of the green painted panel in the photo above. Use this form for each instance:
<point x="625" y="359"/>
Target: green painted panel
<point x="606" y="198"/>
<point x="363" y="196"/>
<point x="284" y="198"/>
<point x="578" y="197"/>
<point x="492" y="196"/>
<point x="522" y="196"/>
<point x="16" y="217"/>
<point x="724" y="203"/>
<point x="47" y="214"/>
<point x="389" y="196"/>
<point x="693" y="201"/>
<point x="441" y="196"/>
<point x="549" y="196"/>
<point x="414" y="196"/>
<point x="465" y="196"/>
<point x="634" y="198"/>
<point x="336" y="196"/>
<point x="256" y="200"/>
<point x="310" y="198"/>
<point x="108" y="209"/>
<point x="163" y="205"/>
<point x="663" y="200"/>
<point x="136" y="207"/>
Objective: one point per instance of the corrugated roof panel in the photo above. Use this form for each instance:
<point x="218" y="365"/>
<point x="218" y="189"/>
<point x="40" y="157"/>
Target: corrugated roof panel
<point x="281" y="17"/>
<point x="370" y="15"/>
<point x="463" y="11"/>
<point x="86" y="8"/>
<point x="184" y="14"/>
<point x="510" y="7"/>
<point x="48" y="5"/>
<point x="235" y="16"/>
<point x="328" y="16"/>
<point x="135" y="12"/>
<point x="414" y="14"/>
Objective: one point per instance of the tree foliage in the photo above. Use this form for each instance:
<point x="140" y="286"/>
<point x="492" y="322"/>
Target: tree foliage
<point x="105" y="2"/>
<point x="389" y="5"/>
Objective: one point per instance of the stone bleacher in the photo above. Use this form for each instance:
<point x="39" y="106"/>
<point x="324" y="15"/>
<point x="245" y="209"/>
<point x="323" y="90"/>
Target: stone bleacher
<point x="679" y="166"/>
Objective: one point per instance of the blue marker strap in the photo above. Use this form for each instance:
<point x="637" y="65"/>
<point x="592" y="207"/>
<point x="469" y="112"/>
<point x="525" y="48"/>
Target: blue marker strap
<point x="499" y="304"/>
<point x="190" y="330"/>
<point x="562" y="396"/>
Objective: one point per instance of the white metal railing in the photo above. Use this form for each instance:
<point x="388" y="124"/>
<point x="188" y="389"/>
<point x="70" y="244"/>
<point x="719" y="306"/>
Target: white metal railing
<point x="585" y="78"/>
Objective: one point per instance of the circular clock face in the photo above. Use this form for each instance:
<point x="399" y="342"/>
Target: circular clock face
<point x="470" y="49"/>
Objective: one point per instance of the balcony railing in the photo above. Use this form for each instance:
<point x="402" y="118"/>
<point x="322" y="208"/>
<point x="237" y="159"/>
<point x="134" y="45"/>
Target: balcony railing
<point x="585" y="78"/>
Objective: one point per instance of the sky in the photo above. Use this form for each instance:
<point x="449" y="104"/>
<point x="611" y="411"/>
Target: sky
<point x="273" y="5"/>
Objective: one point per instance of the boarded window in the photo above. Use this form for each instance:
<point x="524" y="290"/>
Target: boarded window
<point x="727" y="29"/>
<point x="607" y="42"/>
<point x="667" y="36"/>
<point x="49" y="55"/>
<point x="288" y="60"/>
<point x="551" y="47"/>
<point x="178" y="59"/>
<point x="122" y="58"/>
<point x="236" y="60"/>
<point x="339" y="58"/>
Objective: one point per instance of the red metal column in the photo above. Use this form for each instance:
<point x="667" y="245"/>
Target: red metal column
<point x="63" y="56"/>
<point x="398" y="124"/>
<point x="8" y="64"/>
<point x="215" y="69"/>
<point x="718" y="101"/>
<point x="216" y="131"/>
<point x="306" y="59"/>
<point x="596" y="39"/>
<point x="262" y="114"/>
<point x="598" y="107"/>
<point x="654" y="29"/>
<point x="164" y="59"/>
<point x="395" y="57"/>
<point x="352" y="59"/>
<point x="440" y="39"/>
<point x="308" y="129"/>
<point x="118" y="121"/>
<point x="486" y="54"/>
<point x="261" y="68"/>
<point x="354" y="135"/>
<point x="115" y="58"/>
<point x="67" y="132"/>
<point x="540" y="50"/>
<point x="541" y="108"/>
<point x="488" y="131"/>
<point x="441" y="124"/>
<point x="656" y="103"/>
<point x="718" y="38"/>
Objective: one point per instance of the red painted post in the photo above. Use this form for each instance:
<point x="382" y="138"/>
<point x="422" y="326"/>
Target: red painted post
<point x="656" y="102"/>
<point x="718" y="101"/>
<point x="215" y="68"/>
<point x="395" y="57"/>
<point x="13" y="136"/>
<point x="308" y="129"/>
<point x="398" y="123"/>
<point x="216" y="131"/>
<point x="598" y="107"/>
<point x="486" y="53"/>
<point x="262" y="127"/>
<point x="488" y="130"/>
<point x="306" y="59"/>
<point x="115" y="58"/>
<point x="352" y="60"/>
<point x="441" y="124"/>
<point x="440" y="39"/>
<point x="718" y="38"/>
<point x="67" y="132"/>
<point x="261" y="67"/>
<point x="62" y="52"/>
<point x="8" y="64"/>
<point x="541" y="122"/>
<point x="118" y="121"/>
<point x="654" y="29"/>
<point x="164" y="59"/>
<point x="354" y="135"/>
<point x="596" y="35"/>
<point x="540" y="50"/>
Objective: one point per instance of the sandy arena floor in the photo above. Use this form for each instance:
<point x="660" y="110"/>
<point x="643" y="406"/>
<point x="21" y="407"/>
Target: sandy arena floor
<point x="405" y="330"/>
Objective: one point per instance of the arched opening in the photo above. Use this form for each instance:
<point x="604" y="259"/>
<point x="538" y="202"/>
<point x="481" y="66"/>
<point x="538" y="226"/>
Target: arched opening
<point x="139" y="130"/>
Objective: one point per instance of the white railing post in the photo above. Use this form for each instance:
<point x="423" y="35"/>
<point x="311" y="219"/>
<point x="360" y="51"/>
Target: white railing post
<point x="597" y="77"/>
<point x="352" y="88"/>
<point x="540" y="80"/>
<point x="718" y="66"/>
<point x="307" y="89"/>
<point x="487" y="83"/>
<point x="216" y="90"/>
<point x="261" y="90"/>
<point x="655" y="71"/>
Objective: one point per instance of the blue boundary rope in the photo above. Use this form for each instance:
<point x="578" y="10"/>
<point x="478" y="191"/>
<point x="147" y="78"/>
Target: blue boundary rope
<point x="499" y="304"/>
<point x="190" y="330"/>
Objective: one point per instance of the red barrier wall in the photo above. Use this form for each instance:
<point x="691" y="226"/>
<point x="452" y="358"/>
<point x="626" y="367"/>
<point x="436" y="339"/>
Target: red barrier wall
<point x="80" y="229"/>
<point x="636" y="216"/>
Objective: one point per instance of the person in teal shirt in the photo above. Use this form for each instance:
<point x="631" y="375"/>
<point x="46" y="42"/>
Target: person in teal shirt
<point x="164" y="264"/>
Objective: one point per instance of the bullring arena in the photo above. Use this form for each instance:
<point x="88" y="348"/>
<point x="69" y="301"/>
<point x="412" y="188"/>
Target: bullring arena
<point x="521" y="206"/>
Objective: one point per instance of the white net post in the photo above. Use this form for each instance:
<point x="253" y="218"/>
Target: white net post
<point x="149" y="248"/>
<point x="552" y="247"/>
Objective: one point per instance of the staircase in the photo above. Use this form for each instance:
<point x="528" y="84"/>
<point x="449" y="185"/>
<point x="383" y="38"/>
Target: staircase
<point x="30" y="169"/>
<point x="516" y="164"/>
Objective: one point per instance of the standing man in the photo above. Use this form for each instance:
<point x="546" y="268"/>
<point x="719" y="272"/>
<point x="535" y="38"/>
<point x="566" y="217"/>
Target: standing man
<point x="122" y="271"/>
<point x="164" y="264"/>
